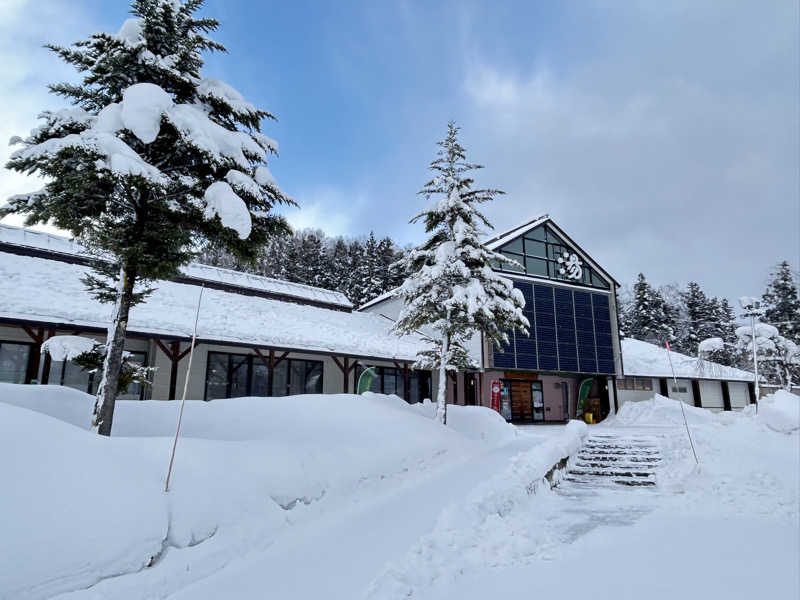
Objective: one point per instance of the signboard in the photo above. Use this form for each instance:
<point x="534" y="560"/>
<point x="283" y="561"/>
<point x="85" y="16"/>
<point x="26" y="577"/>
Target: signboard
<point x="496" y="389"/>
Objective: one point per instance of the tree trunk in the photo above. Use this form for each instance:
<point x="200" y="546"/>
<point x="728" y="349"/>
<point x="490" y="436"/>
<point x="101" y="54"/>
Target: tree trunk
<point x="441" y="393"/>
<point x="115" y="343"/>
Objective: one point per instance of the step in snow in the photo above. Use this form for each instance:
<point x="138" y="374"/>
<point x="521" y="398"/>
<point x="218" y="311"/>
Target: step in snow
<point x="598" y="482"/>
<point x="620" y="466"/>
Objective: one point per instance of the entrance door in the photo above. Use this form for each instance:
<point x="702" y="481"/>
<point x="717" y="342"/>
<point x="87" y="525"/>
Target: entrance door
<point x="537" y="400"/>
<point x="522" y="400"/>
<point x="469" y="389"/>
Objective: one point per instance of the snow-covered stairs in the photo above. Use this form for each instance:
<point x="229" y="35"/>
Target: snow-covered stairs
<point x="616" y="459"/>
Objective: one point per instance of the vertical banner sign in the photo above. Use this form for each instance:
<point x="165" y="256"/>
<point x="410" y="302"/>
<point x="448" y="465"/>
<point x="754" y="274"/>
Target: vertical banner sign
<point x="496" y="387"/>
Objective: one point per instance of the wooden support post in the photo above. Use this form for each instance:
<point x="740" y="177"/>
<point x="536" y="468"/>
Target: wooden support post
<point x="663" y="387"/>
<point x="47" y="360"/>
<point x="271" y="362"/>
<point x="346" y="368"/>
<point x="35" y="356"/>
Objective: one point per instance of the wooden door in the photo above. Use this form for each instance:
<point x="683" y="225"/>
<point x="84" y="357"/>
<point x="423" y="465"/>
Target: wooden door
<point x="521" y="401"/>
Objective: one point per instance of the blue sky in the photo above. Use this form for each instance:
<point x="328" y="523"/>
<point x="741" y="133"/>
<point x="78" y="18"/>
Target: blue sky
<point x="662" y="136"/>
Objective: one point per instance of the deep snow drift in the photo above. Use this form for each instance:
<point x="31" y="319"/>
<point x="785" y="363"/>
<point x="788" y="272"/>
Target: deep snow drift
<point x="83" y="508"/>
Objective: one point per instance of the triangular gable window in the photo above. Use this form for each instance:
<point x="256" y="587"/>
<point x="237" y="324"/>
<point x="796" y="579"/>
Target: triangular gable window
<point x="541" y="252"/>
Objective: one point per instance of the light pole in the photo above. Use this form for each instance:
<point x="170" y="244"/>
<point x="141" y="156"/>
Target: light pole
<point x="752" y="309"/>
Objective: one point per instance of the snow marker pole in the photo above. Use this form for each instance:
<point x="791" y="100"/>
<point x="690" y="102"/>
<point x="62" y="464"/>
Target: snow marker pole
<point x="185" y="388"/>
<point x="685" y="423"/>
<point x="755" y="357"/>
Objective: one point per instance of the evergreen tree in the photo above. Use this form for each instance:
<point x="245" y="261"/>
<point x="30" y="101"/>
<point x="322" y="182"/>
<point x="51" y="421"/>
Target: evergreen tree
<point x="354" y="283"/>
<point x="725" y="328"/>
<point x="650" y="318"/>
<point x="151" y="159"/>
<point x="700" y="319"/>
<point x="452" y="289"/>
<point x="370" y="271"/>
<point x="338" y="267"/>
<point x="781" y="302"/>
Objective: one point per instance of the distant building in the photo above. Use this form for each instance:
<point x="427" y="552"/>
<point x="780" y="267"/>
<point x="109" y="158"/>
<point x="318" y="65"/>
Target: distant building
<point x="700" y="383"/>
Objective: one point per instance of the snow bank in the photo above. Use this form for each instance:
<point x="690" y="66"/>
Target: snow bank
<point x="780" y="411"/>
<point x="475" y="422"/>
<point x="470" y="533"/>
<point x="659" y="410"/>
<point x="76" y="507"/>
<point x="85" y="508"/>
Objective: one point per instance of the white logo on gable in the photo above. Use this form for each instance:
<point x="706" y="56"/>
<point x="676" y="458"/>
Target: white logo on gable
<point x="571" y="266"/>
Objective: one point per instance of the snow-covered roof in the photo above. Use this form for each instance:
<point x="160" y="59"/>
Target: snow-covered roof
<point x="510" y="234"/>
<point x="20" y="236"/>
<point x="49" y="291"/>
<point x="378" y="299"/>
<point x="643" y="359"/>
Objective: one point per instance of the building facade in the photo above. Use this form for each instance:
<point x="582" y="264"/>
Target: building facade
<point x="571" y="354"/>
<point x="256" y="336"/>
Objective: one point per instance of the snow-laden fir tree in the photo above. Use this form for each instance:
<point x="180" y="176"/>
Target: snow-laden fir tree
<point x="699" y="320"/>
<point x="451" y="289"/>
<point x="650" y="318"/>
<point x="781" y="302"/>
<point x="152" y="159"/>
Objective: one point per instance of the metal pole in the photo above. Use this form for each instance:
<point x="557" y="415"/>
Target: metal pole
<point x="685" y="423"/>
<point x="755" y="356"/>
<point x="185" y="388"/>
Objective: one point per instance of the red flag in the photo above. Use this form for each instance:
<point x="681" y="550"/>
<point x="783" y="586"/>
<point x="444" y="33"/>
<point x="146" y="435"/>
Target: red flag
<point x="668" y="348"/>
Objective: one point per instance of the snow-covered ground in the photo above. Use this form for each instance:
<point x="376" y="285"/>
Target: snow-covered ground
<point x="354" y="497"/>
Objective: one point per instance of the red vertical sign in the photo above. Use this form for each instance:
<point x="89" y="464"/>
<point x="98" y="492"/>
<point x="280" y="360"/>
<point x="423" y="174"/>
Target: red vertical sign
<point x="496" y="387"/>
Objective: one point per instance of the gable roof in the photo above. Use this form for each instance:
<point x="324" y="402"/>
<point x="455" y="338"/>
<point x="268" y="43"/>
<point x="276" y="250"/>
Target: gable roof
<point x="501" y="240"/>
<point x="20" y="240"/>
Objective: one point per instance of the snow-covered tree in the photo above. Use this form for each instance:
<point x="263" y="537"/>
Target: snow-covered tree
<point x="151" y="159"/>
<point x="699" y="320"/>
<point x="452" y="289"/>
<point x="778" y="357"/>
<point x="781" y="302"/>
<point x="649" y="317"/>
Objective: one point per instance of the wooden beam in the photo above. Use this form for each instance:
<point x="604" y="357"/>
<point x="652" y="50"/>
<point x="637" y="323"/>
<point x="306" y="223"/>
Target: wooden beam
<point x="36" y="336"/>
<point x="164" y="349"/>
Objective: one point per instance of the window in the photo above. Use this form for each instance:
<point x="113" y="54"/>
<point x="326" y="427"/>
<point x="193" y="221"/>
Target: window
<point x="238" y="375"/>
<point x="14" y="361"/>
<point x="679" y="390"/>
<point x="538" y="252"/>
<point x="70" y="375"/>
<point x="389" y="380"/>
<point x="642" y="384"/>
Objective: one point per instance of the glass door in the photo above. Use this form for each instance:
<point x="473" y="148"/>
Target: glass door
<point x="537" y="399"/>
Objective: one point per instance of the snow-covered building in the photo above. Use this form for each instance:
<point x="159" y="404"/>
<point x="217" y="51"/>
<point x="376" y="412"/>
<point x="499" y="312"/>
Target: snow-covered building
<point x="256" y="336"/>
<point x="697" y="382"/>
<point x="572" y="352"/>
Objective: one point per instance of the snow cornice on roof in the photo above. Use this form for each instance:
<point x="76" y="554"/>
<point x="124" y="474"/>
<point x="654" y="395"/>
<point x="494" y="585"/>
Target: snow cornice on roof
<point x="20" y="240"/>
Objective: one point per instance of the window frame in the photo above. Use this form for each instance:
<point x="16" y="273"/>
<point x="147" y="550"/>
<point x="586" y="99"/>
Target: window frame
<point x="554" y="246"/>
<point x="30" y="346"/>
<point x="250" y="366"/>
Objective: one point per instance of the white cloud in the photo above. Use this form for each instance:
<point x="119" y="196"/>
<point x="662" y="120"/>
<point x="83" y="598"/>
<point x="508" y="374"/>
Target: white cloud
<point x="25" y="70"/>
<point x="673" y="171"/>
<point x="328" y="208"/>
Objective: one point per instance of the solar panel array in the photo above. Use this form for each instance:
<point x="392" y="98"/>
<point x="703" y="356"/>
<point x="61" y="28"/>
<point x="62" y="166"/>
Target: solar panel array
<point x="570" y="330"/>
